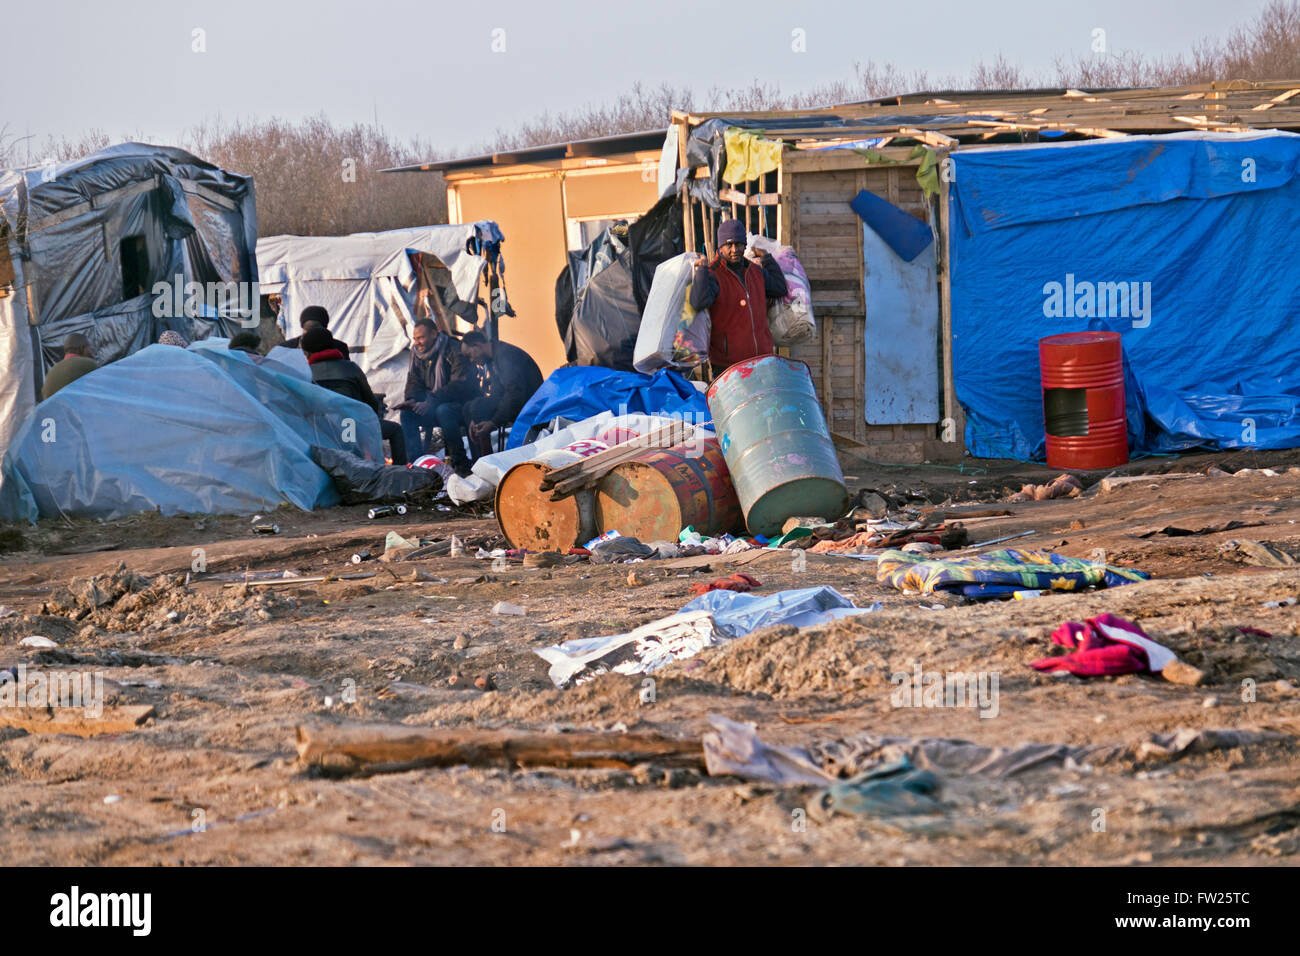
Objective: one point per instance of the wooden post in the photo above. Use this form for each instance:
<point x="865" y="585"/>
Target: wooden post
<point x="954" y="416"/>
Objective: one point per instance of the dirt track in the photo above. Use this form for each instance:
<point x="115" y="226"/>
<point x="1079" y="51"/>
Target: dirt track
<point x="234" y="672"/>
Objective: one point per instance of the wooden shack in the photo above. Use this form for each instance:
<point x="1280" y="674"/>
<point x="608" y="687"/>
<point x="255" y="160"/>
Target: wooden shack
<point x="827" y="156"/>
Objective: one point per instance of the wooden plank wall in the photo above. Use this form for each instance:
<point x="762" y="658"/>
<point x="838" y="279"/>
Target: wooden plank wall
<point x="827" y="236"/>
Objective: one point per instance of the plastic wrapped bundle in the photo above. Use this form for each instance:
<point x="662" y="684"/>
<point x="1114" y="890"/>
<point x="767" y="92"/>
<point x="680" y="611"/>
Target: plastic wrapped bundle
<point x="672" y="333"/>
<point x="790" y="318"/>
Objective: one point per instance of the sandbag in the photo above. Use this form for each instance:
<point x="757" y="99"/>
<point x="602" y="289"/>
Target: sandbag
<point x="790" y="319"/>
<point x="667" y="313"/>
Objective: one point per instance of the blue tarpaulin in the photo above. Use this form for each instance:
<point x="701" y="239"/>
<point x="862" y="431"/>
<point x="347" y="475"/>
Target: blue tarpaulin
<point x="581" y="391"/>
<point x="1180" y="243"/>
<point x="193" y="430"/>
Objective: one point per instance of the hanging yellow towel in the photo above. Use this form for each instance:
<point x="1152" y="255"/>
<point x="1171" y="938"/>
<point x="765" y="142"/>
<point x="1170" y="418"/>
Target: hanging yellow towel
<point x="749" y="155"/>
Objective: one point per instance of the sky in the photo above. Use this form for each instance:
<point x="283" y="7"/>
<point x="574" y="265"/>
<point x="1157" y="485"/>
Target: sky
<point x="453" y="73"/>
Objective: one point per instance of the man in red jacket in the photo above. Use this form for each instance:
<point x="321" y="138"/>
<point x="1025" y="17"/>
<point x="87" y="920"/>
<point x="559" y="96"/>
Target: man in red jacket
<point x="735" y="290"/>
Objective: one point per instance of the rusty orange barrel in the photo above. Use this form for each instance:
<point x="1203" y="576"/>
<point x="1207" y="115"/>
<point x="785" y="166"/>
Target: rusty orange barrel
<point x="656" y="495"/>
<point x="1083" y="400"/>
<point x="776" y="443"/>
<point x="527" y="516"/>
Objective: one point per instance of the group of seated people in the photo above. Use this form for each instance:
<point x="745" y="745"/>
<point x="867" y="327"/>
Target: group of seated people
<point x="470" y="386"/>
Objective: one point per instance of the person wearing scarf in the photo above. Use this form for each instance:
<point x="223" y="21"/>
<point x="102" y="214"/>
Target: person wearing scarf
<point x="441" y="380"/>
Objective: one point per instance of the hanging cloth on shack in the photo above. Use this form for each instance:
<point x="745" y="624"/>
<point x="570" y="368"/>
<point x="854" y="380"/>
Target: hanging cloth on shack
<point x="749" y="155"/>
<point x="999" y="573"/>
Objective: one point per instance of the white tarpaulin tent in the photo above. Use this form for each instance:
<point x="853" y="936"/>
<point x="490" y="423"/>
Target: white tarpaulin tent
<point x="371" y="286"/>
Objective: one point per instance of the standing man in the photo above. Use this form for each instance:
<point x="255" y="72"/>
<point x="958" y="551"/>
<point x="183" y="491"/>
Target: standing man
<point x="439" y="383"/>
<point x="512" y="378"/>
<point x="75" y="363"/>
<point x="735" y="290"/>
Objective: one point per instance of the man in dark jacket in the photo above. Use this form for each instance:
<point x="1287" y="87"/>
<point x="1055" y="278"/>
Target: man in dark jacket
<point x="440" y="381"/>
<point x="310" y="317"/>
<point x="329" y="369"/>
<point x="735" y="290"/>
<point x="512" y="378"/>
<point x="75" y="363"/>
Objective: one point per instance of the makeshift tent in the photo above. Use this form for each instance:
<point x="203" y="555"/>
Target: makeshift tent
<point x="375" y="285"/>
<point x="601" y="293"/>
<point x="196" y="430"/>
<point x="1177" y="242"/>
<point x="83" y="244"/>
<point x="580" y="392"/>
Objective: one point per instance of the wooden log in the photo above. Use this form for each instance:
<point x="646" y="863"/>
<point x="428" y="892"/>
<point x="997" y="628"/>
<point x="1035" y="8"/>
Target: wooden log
<point x="356" y="748"/>
<point x="75" y="720"/>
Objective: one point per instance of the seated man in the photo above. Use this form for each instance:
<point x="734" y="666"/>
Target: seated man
<point x="311" y="317"/>
<point x="438" y="385"/>
<point x="512" y="378"/>
<point x="75" y="363"/>
<point x="329" y="369"/>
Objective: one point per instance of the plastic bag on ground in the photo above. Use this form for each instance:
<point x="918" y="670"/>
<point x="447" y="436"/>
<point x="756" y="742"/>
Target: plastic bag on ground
<point x="708" y="620"/>
<point x="359" y="481"/>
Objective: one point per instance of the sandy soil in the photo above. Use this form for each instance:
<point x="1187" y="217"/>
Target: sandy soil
<point x="232" y="671"/>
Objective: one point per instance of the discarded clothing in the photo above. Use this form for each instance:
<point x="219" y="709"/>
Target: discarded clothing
<point x="623" y="548"/>
<point x="1062" y="486"/>
<point x="999" y="573"/>
<point x="712" y="618"/>
<point x="1259" y="553"/>
<point x="893" y="789"/>
<point x="739" y="582"/>
<point x="1106" y="645"/>
<point x="360" y="481"/>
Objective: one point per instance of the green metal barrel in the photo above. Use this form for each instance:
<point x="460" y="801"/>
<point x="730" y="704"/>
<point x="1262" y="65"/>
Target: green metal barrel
<point x="776" y="443"/>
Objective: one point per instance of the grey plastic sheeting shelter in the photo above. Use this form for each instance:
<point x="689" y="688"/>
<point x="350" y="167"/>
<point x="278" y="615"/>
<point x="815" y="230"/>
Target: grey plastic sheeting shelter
<point x="373" y="290"/>
<point x="198" y="430"/>
<point x="83" y="243"/>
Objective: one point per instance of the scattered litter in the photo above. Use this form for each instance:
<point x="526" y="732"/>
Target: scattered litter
<point x="37" y="640"/>
<point x="739" y="582"/>
<point x="998" y="574"/>
<point x="1258" y="553"/>
<point x="266" y="529"/>
<point x="113" y="798"/>
<point x="385" y="511"/>
<point x="362" y="556"/>
<point x="710" y="619"/>
<point x="505" y="607"/>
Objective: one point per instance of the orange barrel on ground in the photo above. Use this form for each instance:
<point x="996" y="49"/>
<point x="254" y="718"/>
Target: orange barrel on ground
<point x="776" y="443"/>
<point x="1083" y="400"/>
<point x="655" y="495"/>
<point x="530" y="519"/>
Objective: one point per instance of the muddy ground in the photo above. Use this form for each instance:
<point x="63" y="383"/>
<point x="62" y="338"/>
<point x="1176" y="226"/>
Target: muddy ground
<point x="232" y="671"/>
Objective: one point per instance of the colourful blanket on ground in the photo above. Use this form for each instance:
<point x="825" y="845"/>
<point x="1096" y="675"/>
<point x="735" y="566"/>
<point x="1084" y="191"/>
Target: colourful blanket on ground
<point x="998" y="573"/>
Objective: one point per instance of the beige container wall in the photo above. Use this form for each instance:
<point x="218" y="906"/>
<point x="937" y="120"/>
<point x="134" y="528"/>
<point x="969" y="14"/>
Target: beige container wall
<point x="531" y="215"/>
<point x="609" y="194"/>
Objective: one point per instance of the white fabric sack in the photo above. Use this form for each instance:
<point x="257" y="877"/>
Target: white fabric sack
<point x="665" y="308"/>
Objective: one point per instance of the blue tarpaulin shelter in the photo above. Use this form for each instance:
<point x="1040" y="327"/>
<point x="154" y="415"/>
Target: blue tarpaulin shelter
<point x="1182" y="243"/>
<point x="195" y="430"/>
<point x="581" y="391"/>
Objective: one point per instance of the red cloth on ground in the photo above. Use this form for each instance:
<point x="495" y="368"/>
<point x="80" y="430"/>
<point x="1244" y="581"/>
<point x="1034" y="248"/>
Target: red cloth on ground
<point x="737" y="582"/>
<point x="1095" y="654"/>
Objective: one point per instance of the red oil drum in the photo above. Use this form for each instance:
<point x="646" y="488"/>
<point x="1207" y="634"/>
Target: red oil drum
<point x="1083" y="400"/>
<point x="653" y="497"/>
